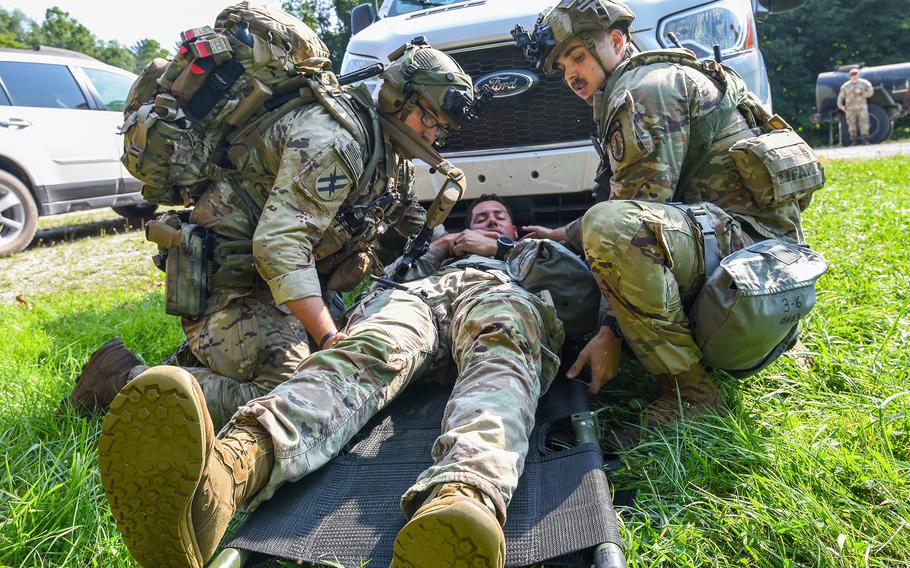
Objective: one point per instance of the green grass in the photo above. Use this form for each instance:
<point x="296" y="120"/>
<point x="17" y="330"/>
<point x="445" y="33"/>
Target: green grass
<point x="810" y="466"/>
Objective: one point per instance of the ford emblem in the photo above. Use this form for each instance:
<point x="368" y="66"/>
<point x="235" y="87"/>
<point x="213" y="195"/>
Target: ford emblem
<point x="507" y="83"/>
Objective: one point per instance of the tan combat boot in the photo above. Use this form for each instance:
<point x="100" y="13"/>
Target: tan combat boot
<point x="172" y="486"/>
<point x="106" y="372"/>
<point x="455" y="527"/>
<point x="689" y="394"/>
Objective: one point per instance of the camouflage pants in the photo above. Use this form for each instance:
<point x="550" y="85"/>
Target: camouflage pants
<point x="249" y="347"/>
<point x="502" y="341"/>
<point x="858" y="122"/>
<point x="648" y="260"/>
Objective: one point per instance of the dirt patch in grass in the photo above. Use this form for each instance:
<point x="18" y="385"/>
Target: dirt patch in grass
<point x="122" y="260"/>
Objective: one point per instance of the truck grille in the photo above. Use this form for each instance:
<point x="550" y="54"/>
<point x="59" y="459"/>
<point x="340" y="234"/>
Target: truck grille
<point x="547" y="113"/>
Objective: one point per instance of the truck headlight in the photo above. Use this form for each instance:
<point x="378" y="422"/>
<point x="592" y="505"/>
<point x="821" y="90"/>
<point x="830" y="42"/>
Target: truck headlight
<point x="727" y="23"/>
<point x="352" y="62"/>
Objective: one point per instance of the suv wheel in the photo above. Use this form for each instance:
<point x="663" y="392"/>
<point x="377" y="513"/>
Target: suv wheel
<point x="18" y="214"/>
<point x="136" y="213"/>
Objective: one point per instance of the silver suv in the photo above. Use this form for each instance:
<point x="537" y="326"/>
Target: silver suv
<point x="533" y="144"/>
<point x="59" y="149"/>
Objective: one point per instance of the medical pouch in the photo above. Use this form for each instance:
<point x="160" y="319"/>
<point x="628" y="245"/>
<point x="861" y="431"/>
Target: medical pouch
<point x="747" y="313"/>
<point x="777" y="167"/>
<point x="187" y="270"/>
<point x="540" y="265"/>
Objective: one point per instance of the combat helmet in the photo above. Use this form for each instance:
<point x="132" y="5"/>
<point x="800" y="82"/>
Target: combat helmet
<point x="418" y="70"/>
<point x="569" y="18"/>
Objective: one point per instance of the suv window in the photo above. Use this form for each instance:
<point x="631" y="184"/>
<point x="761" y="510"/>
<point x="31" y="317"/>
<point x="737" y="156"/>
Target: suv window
<point x="41" y="85"/>
<point x="112" y="87"/>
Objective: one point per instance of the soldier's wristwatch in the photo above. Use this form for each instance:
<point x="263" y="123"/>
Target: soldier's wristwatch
<point x="504" y="246"/>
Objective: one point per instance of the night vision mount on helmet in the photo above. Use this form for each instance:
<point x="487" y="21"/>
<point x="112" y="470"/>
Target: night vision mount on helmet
<point x="568" y="19"/>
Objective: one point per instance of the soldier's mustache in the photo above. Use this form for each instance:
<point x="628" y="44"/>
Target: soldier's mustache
<point x="578" y="84"/>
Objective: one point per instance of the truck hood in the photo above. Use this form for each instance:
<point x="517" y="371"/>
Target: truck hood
<point x="482" y="21"/>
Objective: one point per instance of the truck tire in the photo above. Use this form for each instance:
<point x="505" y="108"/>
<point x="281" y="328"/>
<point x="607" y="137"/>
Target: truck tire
<point x="18" y="214"/>
<point x="136" y="213"/>
<point x="880" y="126"/>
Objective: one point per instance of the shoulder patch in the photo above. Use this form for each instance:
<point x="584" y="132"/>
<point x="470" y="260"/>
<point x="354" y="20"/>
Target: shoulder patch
<point x="332" y="178"/>
<point x="326" y="178"/>
<point x="350" y="152"/>
<point x="627" y="138"/>
<point x="616" y="141"/>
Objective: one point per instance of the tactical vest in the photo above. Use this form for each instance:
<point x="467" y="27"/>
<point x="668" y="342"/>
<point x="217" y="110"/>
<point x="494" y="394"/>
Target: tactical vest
<point x="373" y="208"/>
<point x="775" y="163"/>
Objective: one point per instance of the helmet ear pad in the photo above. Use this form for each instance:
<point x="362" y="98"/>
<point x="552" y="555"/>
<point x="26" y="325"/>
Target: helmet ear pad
<point x="391" y="100"/>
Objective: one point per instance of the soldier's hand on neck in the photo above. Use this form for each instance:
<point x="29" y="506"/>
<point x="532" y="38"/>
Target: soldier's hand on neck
<point x="444" y="243"/>
<point x="470" y="241"/>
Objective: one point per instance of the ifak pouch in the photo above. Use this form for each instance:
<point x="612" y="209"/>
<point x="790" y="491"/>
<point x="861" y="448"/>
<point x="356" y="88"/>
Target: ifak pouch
<point x="748" y="311"/>
<point x="187" y="270"/>
<point x="777" y="167"/>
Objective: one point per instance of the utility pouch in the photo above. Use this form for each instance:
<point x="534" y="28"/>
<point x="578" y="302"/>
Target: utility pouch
<point x="777" y="167"/>
<point x="187" y="270"/>
<point x="541" y="265"/>
<point x="748" y="312"/>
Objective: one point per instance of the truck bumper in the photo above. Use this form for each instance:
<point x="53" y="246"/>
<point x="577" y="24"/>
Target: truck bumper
<point x="566" y="168"/>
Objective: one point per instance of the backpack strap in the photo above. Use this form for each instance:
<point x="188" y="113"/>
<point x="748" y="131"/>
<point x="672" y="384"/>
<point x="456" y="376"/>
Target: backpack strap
<point x="699" y="215"/>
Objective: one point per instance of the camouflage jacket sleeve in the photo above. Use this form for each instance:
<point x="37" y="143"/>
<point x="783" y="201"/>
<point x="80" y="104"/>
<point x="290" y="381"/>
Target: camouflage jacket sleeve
<point x="868" y="89"/>
<point x="573" y="235"/>
<point x="318" y="164"/>
<point x="647" y="129"/>
<point x="842" y="95"/>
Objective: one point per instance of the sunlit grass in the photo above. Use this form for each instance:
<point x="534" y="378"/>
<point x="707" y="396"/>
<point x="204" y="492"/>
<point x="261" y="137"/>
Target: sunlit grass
<point x="810" y="466"/>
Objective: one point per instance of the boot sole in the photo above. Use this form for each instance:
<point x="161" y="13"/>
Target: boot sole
<point x="460" y="535"/>
<point x="151" y="454"/>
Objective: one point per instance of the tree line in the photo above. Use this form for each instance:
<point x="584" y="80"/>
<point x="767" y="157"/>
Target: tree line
<point x="797" y="45"/>
<point x="59" y="29"/>
<point x="822" y="35"/>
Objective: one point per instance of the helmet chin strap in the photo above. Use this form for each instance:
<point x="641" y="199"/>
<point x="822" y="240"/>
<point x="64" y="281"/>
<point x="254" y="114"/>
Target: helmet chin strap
<point x="592" y="48"/>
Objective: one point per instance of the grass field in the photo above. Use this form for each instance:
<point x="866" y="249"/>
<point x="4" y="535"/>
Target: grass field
<point x="810" y="466"/>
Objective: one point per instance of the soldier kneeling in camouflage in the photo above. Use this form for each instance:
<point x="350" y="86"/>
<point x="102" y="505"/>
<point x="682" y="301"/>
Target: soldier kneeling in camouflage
<point x="322" y="195"/>
<point x="666" y="126"/>
<point x="173" y="486"/>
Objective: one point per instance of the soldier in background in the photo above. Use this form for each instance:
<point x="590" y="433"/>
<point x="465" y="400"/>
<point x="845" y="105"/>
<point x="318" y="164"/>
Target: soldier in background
<point x="665" y="124"/>
<point x="301" y="220"/>
<point x="852" y="101"/>
<point x="174" y="487"/>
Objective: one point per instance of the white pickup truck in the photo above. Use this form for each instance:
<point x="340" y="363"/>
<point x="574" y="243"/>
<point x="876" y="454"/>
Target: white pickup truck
<point x="533" y="143"/>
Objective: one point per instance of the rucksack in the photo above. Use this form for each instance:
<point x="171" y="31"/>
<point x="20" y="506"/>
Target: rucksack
<point x="180" y="114"/>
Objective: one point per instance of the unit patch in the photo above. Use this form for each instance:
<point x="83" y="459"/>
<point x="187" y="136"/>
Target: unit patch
<point x="616" y="142"/>
<point x="332" y="179"/>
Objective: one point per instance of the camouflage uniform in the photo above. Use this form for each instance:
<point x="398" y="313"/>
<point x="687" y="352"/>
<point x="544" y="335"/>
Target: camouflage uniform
<point x="279" y="239"/>
<point x="853" y="97"/>
<point x="666" y="130"/>
<point x="502" y="340"/>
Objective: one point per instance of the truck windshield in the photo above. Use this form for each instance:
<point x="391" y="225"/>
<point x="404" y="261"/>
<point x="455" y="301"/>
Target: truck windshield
<point x="399" y="7"/>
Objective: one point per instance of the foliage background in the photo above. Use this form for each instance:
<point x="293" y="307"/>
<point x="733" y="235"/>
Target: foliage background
<point x="797" y="45"/>
<point x="822" y="35"/>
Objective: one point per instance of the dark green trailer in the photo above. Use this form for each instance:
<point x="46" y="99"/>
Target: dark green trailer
<point x="890" y="101"/>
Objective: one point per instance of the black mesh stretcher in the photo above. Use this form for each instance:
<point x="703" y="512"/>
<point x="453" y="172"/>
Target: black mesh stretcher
<point x="347" y="513"/>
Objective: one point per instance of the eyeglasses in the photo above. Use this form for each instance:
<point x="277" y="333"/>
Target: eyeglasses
<point x="430" y="121"/>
